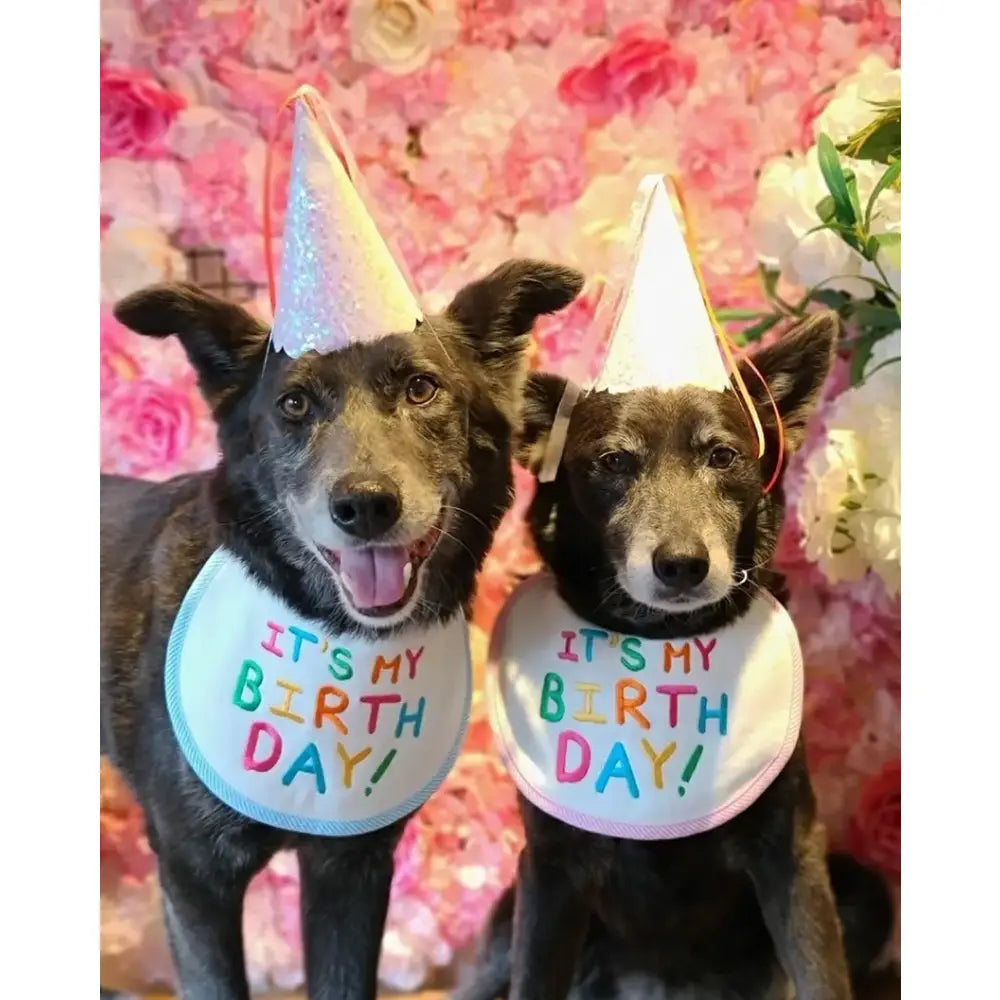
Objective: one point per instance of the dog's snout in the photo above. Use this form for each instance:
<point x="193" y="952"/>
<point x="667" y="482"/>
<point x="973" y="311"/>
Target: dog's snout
<point x="679" y="572"/>
<point x="365" y="508"/>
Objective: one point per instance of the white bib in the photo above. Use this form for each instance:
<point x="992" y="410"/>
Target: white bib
<point x="304" y="731"/>
<point x="641" y="738"/>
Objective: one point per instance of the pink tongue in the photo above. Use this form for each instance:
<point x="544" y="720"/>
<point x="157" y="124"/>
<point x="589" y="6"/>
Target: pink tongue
<point x="374" y="577"/>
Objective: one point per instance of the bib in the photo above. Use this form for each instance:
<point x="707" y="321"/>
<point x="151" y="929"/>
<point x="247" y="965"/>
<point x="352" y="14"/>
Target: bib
<point x="305" y="731"/>
<point x="641" y="738"/>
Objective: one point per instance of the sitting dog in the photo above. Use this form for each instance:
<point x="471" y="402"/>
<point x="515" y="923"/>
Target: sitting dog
<point x="428" y="417"/>
<point x="744" y="910"/>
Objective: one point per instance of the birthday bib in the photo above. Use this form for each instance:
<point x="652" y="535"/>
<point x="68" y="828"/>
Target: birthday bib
<point x="641" y="738"/>
<point x="306" y="731"/>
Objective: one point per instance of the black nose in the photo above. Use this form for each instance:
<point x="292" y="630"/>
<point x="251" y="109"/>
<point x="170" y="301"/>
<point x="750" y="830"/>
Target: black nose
<point x="680" y="572"/>
<point x="365" y="508"/>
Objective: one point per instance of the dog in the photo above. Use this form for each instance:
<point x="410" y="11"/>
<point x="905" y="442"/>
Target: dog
<point x="404" y="443"/>
<point x="656" y="513"/>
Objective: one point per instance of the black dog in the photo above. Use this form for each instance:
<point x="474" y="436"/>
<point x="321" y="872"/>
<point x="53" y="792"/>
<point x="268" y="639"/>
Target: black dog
<point x="744" y="911"/>
<point x="406" y="442"/>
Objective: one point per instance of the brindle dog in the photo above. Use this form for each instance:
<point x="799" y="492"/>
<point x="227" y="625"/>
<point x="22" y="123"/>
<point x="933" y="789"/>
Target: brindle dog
<point x="657" y="510"/>
<point x="403" y="444"/>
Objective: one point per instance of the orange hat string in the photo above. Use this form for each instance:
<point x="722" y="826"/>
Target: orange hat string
<point x="727" y="349"/>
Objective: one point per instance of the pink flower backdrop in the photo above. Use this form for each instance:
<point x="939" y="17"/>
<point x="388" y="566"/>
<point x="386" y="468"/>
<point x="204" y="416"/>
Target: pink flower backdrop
<point x="485" y="129"/>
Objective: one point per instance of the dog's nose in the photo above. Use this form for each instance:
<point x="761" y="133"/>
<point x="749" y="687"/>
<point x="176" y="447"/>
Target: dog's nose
<point x="680" y="572"/>
<point x="365" y="508"/>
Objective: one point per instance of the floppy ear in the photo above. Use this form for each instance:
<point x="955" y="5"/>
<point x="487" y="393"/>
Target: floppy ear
<point x="496" y="313"/>
<point x="795" y="369"/>
<point x="224" y="343"/>
<point x="542" y="393"/>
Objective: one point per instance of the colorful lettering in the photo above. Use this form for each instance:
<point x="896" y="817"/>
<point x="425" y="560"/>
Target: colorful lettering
<point x="571" y="775"/>
<point x="350" y="763"/>
<point x="381" y="663"/>
<point x="250" y="760"/>
<point x="412" y="660"/>
<point x="301" y="636"/>
<point x="658" y="759"/>
<point x="416" y="719"/>
<point x="588" y="714"/>
<point x="721" y="713"/>
<point x="590" y="634"/>
<point x="567" y="653"/>
<point x="674" y="692"/>
<point x="307" y="762"/>
<point x="705" y="651"/>
<point x="284" y="710"/>
<point x="552" y="691"/>
<point x="271" y="642"/>
<point x="245" y="681"/>
<point x="617" y="766"/>
<point x="377" y="701"/>
<point x="626" y="704"/>
<point x="632" y="658"/>
<point x="340" y="664"/>
<point x="669" y="653"/>
<point x="331" y="712"/>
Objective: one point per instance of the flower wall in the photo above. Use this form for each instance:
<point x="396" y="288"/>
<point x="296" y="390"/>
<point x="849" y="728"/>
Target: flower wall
<point x="488" y="129"/>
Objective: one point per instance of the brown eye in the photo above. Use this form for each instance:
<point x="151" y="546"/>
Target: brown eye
<point x="722" y="458"/>
<point x="619" y="463"/>
<point x="294" y="405"/>
<point x="421" y="389"/>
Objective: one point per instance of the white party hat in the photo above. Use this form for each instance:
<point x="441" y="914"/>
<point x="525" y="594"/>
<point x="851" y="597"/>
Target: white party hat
<point x="339" y="282"/>
<point x="662" y="333"/>
<point x="663" y="336"/>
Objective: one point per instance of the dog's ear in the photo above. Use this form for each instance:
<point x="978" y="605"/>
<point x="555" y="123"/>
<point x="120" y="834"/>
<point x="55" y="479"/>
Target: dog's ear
<point x="542" y="393"/>
<point x="795" y="369"/>
<point x="497" y="312"/>
<point x="224" y="343"/>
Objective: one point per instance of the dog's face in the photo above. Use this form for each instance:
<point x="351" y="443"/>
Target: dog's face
<point x="666" y="486"/>
<point x="380" y="469"/>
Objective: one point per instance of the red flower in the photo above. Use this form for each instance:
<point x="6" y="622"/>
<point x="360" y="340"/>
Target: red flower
<point x="640" y="66"/>
<point x="135" y="114"/>
<point x="873" y="833"/>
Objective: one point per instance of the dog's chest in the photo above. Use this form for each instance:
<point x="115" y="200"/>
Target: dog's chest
<point x="304" y="731"/>
<point x="637" y="738"/>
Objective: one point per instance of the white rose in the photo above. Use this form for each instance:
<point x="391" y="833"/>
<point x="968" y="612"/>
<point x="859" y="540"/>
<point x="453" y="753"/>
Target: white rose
<point x="133" y="257"/>
<point x="142" y="192"/>
<point x="849" y="506"/>
<point x="849" y="109"/>
<point x="400" y="35"/>
<point x="784" y="216"/>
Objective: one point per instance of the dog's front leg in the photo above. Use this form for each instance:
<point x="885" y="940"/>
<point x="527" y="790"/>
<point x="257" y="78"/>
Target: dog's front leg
<point x="203" y="907"/>
<point x="345" y="897"/>
<point x="793" y="887"/>
<point x="550" y="922"/>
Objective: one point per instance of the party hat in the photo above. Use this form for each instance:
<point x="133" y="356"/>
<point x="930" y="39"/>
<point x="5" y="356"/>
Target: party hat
<point x="662" y="332"/>
<point x="339" y="283"/>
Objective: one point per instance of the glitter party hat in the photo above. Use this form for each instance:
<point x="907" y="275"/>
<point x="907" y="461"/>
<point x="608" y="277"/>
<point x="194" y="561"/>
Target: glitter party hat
<point x="339" y="283"/>
<point x="662" y="332"/>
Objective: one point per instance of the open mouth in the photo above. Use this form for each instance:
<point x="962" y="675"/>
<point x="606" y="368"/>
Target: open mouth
<point x="380" y="580"/>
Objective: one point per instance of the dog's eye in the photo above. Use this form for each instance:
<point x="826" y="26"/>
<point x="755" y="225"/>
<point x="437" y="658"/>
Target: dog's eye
<point x="294" y="405"/>
<point x="619" y="463"/>
<point x="722" y="457"/>
<point x="421" y="389"/>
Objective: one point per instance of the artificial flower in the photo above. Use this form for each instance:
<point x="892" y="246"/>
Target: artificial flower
<point x="874" y="831"/>
<point x="850" y="108"/>
<point x="135" y="114"/>
<point x="400" y="35"/>
<point x="133" y="256"/>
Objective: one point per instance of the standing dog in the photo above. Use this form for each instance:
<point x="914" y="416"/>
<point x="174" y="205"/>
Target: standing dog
<point x="657" y="511"/>
<point x="404" y="442"/>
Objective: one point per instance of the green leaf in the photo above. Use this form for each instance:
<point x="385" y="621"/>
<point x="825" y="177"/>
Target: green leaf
<point x="874" y="318"/>
<point x="826" y="209"/>
<point x="738" y="315"/>
<point x="852" y="191"/>
<point x="860" y="357"/>
<point x="758" y="330"/>
<point x="889" y="177"/>
<point x="836" y="182"/>
<point x="830" y="298"/>
<point x="891" y="245"/>
<point x="880" y="139"/>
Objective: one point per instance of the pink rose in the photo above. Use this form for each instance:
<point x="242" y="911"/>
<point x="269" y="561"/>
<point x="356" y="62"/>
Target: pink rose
<point x="874" y="830"/>
<point x="640" y="66"/>
<point x="833" y="721"/>
<point x="146" y="427"/>
<point x="135" y="114"/>
<point x="117" y="363"/>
